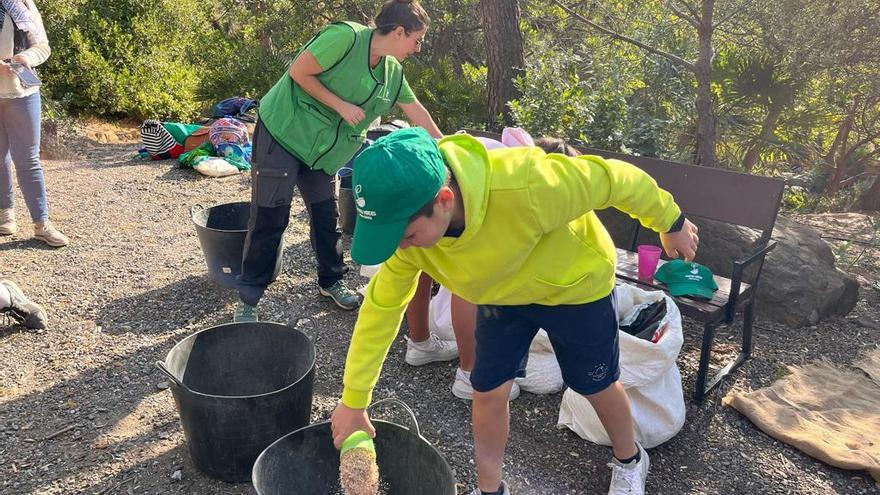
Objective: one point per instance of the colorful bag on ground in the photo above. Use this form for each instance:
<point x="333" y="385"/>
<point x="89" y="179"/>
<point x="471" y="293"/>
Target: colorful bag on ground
<point x="228" y="131"/>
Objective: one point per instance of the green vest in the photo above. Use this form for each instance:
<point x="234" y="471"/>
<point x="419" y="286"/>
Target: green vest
<point x="314" y="132"/>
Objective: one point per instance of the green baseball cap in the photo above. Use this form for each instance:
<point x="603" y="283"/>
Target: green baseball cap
<point x="393" y="178"/>
<point x="687" y="278"/>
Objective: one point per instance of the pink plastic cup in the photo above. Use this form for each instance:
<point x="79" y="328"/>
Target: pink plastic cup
<point x="649" y="256"/>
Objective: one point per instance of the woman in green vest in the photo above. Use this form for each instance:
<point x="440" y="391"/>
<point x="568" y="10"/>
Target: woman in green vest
<point x="312" y="122"/>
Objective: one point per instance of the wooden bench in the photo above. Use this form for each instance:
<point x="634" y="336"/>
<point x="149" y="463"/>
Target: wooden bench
<point x="730" y="197"/>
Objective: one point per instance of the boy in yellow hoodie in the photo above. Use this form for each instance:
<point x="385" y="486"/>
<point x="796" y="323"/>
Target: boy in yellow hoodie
<point x="513" y="231"/>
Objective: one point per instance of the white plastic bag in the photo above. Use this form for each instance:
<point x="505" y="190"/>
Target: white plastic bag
<point x="543" y="375"/>
<point x="440" y="314"/>
<point x="648" y="373"/>
<point x="215" y="167"/>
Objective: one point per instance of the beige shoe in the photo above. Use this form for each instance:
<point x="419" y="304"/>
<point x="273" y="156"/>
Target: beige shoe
<point x="7" y="221"/>
<point x="47" y="233"/>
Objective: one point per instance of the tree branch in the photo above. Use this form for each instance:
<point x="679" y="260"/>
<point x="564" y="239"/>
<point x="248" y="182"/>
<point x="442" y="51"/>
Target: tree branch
<point x="734" y="13"/>
<point x="681" y="15"/>
<point x="692" y="9"/>
<point x="672" y="58"/>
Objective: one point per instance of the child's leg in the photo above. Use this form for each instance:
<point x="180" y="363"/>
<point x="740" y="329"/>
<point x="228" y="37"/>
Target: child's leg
<point x="417" y="311"/>
<point x="464" y="321"/>
<point x="491" y="421"/>
<point x="502" y="338"/>
<point x="612" y="407"/>
<point x="584" y="337"/>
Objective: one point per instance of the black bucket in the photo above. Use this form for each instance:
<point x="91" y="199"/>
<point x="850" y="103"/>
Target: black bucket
<point x="222" y="230"/>
<point x="347" y="211"/>
<point x="239" y="387"/>
<point x="306" y="461"/>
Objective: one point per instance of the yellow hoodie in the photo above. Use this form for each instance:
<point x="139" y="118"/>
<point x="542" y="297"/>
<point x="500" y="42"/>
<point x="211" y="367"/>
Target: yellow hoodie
<point x="530" y="237"/>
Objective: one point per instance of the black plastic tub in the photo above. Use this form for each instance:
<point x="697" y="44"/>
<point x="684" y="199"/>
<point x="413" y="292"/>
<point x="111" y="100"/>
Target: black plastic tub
<point x="306" y="462"/>
<point x="222" y="230"/>
<point x="239" y="387"/>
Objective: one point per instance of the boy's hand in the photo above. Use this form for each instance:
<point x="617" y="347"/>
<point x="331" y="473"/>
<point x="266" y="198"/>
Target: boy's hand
<point x="346" y="421"/>
<point x="681" y="243"/>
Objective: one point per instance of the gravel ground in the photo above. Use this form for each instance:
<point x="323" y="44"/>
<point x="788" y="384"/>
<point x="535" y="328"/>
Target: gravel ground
<point x="80" y="410"/>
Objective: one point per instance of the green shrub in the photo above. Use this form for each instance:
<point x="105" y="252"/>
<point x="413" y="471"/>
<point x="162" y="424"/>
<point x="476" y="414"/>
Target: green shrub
<point x="455" y="96"/>
<point x="560" y="97"/>
<point x="125" y="57"/>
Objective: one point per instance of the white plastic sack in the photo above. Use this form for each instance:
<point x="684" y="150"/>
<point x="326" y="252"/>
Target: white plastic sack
<point x="648" y="373"/>
<point x="369" y="270"/>
<point x="215" y="167"/>
<point x="543" y="375"/>
<point x="440" y="314"/>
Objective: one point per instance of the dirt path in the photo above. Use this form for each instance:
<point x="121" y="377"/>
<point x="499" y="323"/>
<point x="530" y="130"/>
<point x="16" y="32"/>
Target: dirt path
<point x="80" y="411"/>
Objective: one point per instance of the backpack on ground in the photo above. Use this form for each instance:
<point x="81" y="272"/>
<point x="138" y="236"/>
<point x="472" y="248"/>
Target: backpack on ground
<point x="236" y="107"/>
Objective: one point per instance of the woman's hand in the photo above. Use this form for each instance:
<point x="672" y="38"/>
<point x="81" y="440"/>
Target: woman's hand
<point x="21" y="59"/>
<point x="352" y="114"/>
<point x="5" y="67"/>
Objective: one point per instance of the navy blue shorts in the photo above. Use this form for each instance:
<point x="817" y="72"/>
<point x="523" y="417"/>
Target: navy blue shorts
<point x="584" y="338"/>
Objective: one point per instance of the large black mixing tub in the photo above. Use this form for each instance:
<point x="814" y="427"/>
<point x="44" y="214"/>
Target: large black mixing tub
<point x="239" y="387"/>
<point x="306" y="461"/>
<point x="222" y="230"/>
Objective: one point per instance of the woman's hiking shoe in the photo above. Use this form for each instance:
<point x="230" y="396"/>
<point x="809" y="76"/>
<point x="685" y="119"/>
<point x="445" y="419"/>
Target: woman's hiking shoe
<point x="344" y="297"/>
<point x="244" y="313"/>
<point x="463" y="389"/>
<point x="432" y="350"/>
<point x="21" y="309"/>
<point x="504" y="490"/>
<point x="7" y="221"/>
<point x="47" y="233"/>
<point x="629" y="479"/>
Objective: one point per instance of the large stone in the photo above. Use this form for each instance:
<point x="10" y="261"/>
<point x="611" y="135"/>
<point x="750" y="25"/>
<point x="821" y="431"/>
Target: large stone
<point x="799" y="283"/>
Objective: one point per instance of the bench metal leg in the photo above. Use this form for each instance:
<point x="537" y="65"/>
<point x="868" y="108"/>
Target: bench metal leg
<point x="702" y="388"/>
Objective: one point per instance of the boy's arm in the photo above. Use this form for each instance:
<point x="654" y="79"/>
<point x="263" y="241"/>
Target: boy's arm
<point x="563" y="188"/>
<point x="385" y="302"/>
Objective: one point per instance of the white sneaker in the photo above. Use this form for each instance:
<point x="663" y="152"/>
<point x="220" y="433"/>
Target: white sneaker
<point x="47" y="233"/>
<point x="429" y="351"/>
<point x="504" y="491"/>
<point x="629" y="479"/>
<point x="463" y="389"/>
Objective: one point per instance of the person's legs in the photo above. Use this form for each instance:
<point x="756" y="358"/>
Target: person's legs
<point x="272" y="179"/>
<point x="612" y="407"/>
<point x="585" y="339"/>
<point x="503" y="336"/>
<point x="7" y="194"/>
<point x="317" y="189"/>
<point x="491" y="423"/>
<point x="417" y="310"/>
<point x="22" y="119"/>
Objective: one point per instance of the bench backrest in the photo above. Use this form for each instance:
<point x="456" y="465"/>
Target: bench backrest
<point x="732" y="197"/>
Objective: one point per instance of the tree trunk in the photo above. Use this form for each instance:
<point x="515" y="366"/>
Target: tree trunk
<point x="836" y="158"/>
<point x="504" y="53"/>
<point x="767" y="128"/>
<point x="870" y="200"/>
<point x="704" y="107"/>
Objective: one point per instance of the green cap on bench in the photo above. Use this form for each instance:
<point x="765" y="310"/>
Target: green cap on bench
<point x="686" y="278"/>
